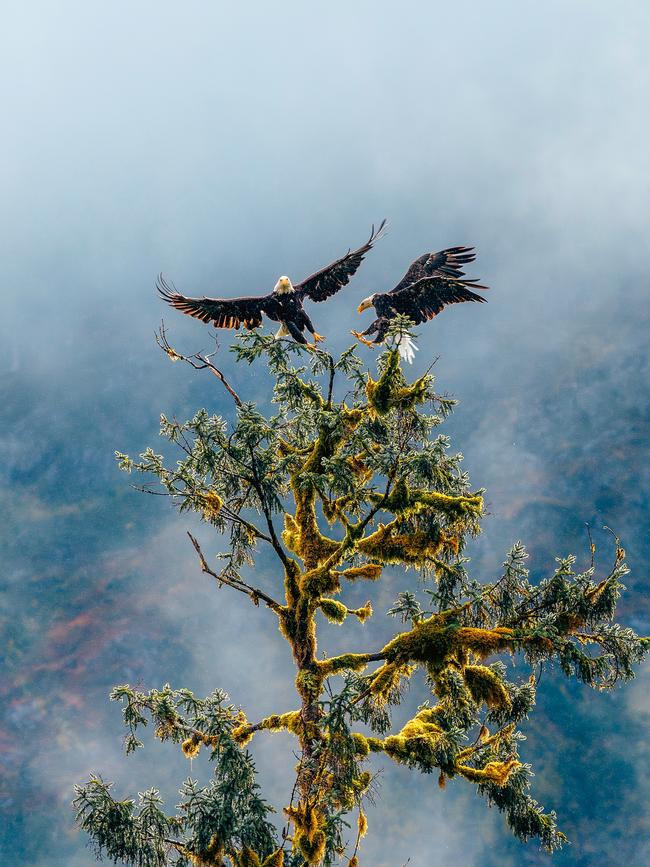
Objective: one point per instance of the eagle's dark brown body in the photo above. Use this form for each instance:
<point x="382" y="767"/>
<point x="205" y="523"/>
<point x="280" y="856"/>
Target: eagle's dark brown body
<point x="284" y="304"/>
<point x="431" y="283"/>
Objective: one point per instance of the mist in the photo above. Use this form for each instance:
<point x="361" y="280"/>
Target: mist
<point x="225" y="146"/>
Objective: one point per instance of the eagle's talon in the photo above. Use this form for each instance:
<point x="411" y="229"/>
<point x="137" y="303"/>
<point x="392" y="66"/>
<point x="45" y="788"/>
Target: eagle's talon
<point x="318" y="338"/>
<point x="362" y="339"/>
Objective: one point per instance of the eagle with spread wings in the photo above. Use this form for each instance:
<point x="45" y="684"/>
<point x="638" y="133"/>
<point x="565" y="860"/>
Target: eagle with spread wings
<point x="284" y="304"/>
<point x="431" y="283"/>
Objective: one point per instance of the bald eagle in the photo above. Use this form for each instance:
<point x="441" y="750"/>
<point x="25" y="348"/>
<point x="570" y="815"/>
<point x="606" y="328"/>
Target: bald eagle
<point x="284" y="304"/>
<point x="431" y="283"/>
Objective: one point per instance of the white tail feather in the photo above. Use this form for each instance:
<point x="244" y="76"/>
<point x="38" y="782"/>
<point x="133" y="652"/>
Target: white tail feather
<point x="407" y="348"/>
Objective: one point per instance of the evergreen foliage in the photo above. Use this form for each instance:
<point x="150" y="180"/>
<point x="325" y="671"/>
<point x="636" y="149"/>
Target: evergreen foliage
<point x="358" y="483"/>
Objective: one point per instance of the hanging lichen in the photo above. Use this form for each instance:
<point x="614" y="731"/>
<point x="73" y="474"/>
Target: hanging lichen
<point x="387" y="679"/>
<point x="389" y="546"/>
<point x="485" y="685"/>
<point x="309" y="835"/>
<point x="404" y="500"/>
<point x="367" y="572"/>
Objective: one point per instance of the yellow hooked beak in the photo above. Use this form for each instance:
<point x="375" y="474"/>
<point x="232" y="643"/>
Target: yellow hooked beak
<point x="365" y="304"/>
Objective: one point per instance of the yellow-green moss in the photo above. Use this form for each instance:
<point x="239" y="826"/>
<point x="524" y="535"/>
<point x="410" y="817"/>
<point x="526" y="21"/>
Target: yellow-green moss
<point x="368" y="572"/>
<point x="361" y="782"/>
<point x="248" y="858"/>
<point x="210" y="504"/>
<point x="452" y="506"/>
<point x="404" y="500"/>
<point x="291" y="534"/>
<point x="285" y="449"/>
<point x="486" y="686"/>
<point x="243" y="734"/>
<point x="361" y="746"/>
<point x="308" y="684"/>
<point x="322" y="579"/>
<point x="596" y="592"/>
<point x="309" y="836"/>
<point x="243" y="731"/>
<point x="389" y="546"/>
<point x="568" y="623"/>
<point x="275" y="859"/>
<point x="446" y="684"/>
<point x="417" y="739"/>
<point x="330" y="509"/>
<point x="426" y="642"/>
<point x="352" y="418"/>
<point x="387" y="679"/>
<point x="345" y="662"/>
<point x="434" y="643"/>
<point x="335" y="611"/>
<point x="191" y="747"/>
<point x="292" y="721"/>
<point x="211" y="856"/>
<point x="165" y="730"/>
<point x="311" y="848"/>
<point x="485" y="642"/>
<point x="494" y="772"/>
<point x="362" y="824"/>
<point x="503" y="735"/>
<point x="310" y="391"/>
<point x="362" y="613"/>
<point x="291" y="581"/>
<point x="302" y="536"/>
<point x="390" y="390"/>
<point x="359" y="468"/>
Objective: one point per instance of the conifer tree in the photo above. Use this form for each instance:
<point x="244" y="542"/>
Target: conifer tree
<point x="347" y="477"/>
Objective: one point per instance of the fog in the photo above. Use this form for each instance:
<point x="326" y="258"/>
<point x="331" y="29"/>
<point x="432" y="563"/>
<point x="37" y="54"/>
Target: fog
<point x="225" y="145"/>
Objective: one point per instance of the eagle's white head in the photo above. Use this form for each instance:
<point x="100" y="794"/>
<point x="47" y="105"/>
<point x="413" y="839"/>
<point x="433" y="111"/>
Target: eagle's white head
<point x="283" y="286"/>
<point x="366" y="303"/>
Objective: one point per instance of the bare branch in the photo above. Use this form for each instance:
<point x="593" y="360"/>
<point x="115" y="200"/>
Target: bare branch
<point x="252" y="592"/>
<point x="197" y="361"/>
<point x="279" y="550"/>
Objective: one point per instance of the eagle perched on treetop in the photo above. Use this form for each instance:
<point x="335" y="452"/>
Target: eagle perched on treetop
<point x="284" y="304"/>
<point x="431" y="283"/>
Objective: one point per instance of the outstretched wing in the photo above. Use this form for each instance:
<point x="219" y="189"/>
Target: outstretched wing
<point x="222" y="312"/>
<point x="425" y="298"/>
<point x="336" y="275"/>
<point x="446" y="263"/>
